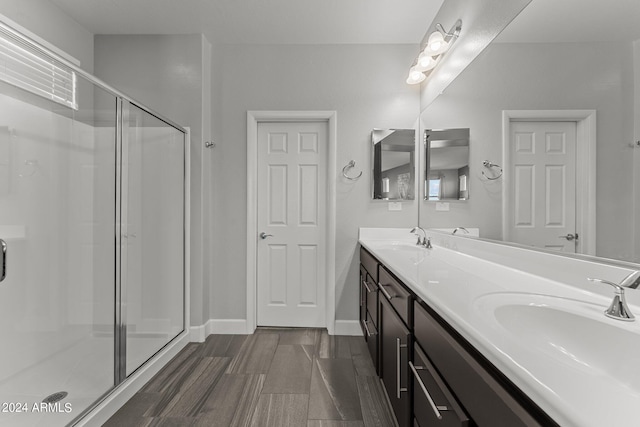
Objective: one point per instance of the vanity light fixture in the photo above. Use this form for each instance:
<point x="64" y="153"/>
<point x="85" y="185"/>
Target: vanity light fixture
<point x="437" y="44"/>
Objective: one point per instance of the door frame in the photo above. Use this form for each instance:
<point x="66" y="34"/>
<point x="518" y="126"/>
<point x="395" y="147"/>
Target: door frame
<point x="253" y="119"/>
<point x="586" y="138"/>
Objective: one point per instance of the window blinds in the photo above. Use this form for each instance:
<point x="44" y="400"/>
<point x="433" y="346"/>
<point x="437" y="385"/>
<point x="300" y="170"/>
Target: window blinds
<point x="30" y="69"/>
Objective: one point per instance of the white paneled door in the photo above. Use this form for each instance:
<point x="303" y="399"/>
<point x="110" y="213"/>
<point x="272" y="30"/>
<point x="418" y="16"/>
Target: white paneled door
<point x="542" y="185"/>
<point x="292" y="181"/>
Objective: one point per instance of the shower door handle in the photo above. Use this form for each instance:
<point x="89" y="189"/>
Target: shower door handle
<point x="3" y="266"/>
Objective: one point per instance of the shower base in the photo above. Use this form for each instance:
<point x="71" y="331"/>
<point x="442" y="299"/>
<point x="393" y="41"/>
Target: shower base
<point x="85" y="371"/>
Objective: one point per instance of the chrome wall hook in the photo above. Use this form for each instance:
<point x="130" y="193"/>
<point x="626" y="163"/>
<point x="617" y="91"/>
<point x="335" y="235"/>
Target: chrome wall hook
<point x="349" y="166"/>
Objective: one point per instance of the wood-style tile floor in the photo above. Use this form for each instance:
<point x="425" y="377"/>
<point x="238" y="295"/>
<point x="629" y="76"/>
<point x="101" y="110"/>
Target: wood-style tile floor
<point x="275" y="377"/>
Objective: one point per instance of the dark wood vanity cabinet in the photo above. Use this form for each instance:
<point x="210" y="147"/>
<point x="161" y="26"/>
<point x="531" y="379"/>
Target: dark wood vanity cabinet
<point x="432" y="375"/>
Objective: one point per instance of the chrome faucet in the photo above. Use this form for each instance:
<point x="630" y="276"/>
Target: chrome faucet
<point x="455" y="230"/>
<point x="420" y="241"/>
<point x="618" y="309"/>
<point x="632" y="281"/>
<point x="424" y="241"/>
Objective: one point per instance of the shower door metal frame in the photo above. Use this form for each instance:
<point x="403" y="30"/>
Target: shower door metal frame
<point x="120" y="321"/>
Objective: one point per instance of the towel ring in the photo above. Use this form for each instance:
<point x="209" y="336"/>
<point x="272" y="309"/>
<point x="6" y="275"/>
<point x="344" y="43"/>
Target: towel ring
<point x="345" y="169"/>
<point x="487" y="164"/>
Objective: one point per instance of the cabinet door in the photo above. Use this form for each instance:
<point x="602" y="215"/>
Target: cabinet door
<point x="394" y="360"/>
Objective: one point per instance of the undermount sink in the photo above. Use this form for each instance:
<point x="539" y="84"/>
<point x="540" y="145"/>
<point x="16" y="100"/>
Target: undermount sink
<point x="573" y="332"/>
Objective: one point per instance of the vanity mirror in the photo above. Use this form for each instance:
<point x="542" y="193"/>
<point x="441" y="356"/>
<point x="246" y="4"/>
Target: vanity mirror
<point x="558" y="110"/>
<point x="447" y="164"/>
<point x="393" y="164"/>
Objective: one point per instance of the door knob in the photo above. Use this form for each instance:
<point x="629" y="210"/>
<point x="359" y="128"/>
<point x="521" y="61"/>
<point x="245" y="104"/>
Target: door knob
<point x="570" y="237"/>
<point x="264" y="235"/>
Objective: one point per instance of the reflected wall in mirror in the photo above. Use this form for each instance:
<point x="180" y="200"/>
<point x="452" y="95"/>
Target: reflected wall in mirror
<point x="570" y="66"/>
<point x="393" y="164"/>
<point x="447" y="164"/>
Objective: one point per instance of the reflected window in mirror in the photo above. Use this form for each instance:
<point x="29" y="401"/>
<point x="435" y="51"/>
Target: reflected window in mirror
<point x="393" y="164"/>
<point x="434" y="189"/>
<point x="447" y="164"/>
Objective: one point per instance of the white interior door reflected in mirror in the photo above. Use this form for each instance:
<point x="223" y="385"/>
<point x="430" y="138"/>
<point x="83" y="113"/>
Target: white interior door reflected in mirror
<point x="541" y="196"/>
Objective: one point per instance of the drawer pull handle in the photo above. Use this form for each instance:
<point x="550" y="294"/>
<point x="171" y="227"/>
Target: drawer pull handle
<point x="364" y="282"/>
<point x="366" y="328"/>
<point x="436" y="408"/>
<point x="3" y="267"/>
<point x="399" y="389"/>
<point x="386" y="294"/>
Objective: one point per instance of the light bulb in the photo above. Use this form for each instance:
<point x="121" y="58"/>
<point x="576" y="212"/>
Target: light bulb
<point x="425" y="62"/>
<point x="415" y="76"/>
<point x="436" y="44"/>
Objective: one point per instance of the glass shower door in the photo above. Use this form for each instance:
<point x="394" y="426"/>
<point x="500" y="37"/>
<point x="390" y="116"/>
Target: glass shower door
<point x="57" y="218"/>
<point x="153" y="234"/>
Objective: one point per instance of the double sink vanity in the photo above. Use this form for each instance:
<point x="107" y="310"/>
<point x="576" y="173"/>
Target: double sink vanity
<point x="469" y="332"/>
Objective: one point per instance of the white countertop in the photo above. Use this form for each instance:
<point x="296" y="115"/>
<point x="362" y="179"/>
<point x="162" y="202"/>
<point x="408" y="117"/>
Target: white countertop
<point x="551" y="339"/>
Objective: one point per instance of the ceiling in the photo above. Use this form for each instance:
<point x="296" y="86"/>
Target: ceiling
<point x="344" y="21"/>
<point x="261" y="21"/>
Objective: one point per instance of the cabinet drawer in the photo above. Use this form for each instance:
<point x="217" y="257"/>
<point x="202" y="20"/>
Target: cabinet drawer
<point x="480" y="392"/>
<point x="369" y="263"/>
<point x="433" y="403"/>
<point x="396" y="293"/>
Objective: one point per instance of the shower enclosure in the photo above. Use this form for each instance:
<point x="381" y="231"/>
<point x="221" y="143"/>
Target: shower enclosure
<point x="92" y="236"/>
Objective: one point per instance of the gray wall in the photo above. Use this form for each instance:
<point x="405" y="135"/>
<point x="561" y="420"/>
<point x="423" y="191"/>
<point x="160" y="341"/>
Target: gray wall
<point x="171" y="75"/>
<point x="365" y="85"/>
<point x="544" y="76"/>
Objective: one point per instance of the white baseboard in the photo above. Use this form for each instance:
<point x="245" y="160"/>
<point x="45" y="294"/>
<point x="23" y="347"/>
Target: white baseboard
<point x="125" y="391"/>
<point x="198" y="333"/>
<point x="348" y="327"/>
<point x="239" y="327"/>
<point x="218" y="326"/>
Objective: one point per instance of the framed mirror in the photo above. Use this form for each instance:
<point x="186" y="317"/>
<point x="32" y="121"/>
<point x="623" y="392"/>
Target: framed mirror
<point x="447" y="164"/>
<point x="393" y="176"/>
